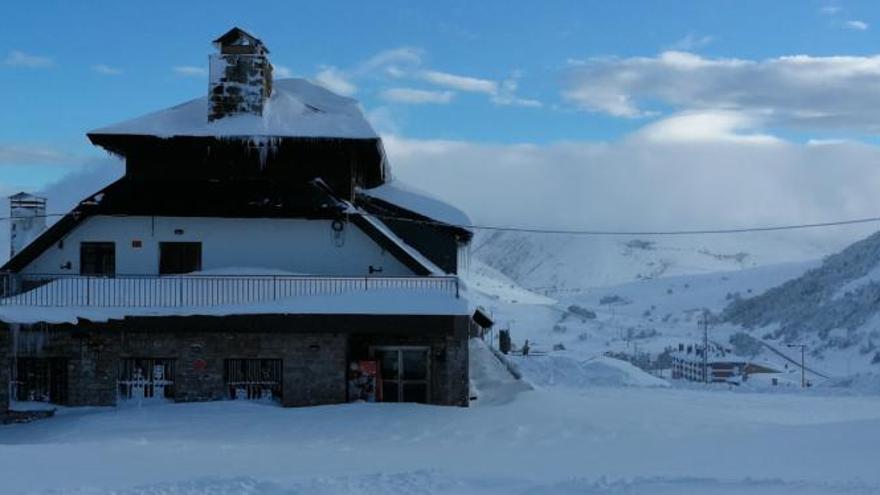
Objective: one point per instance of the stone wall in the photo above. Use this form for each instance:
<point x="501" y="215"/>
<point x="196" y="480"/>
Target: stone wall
<point x="5" y="341"/>
<point x="239" y="84"/>
<point x="314" y="362"/>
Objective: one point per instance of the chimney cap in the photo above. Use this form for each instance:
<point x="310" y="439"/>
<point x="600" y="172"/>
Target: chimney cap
<point x="235" y="34"/>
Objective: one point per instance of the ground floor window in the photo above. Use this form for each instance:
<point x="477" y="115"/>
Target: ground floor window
<point x="40" y="379"/>
<point x="252" y="379"/>
<point x="403" y="373"/>
<point x="146" y="378"/>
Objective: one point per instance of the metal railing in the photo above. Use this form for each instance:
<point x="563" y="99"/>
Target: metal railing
<point x="52" y="290"/>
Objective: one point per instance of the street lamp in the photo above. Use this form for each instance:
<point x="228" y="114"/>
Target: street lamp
<point x="803" y="348"/>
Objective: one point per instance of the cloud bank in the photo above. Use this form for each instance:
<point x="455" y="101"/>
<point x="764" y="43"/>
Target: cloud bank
<point x="797" y="91"/>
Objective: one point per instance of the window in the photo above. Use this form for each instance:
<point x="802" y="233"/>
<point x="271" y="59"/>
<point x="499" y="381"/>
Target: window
<point x="146" y="378"/>
<point x="253" y="379"/>
<point x="97" y="258"/>
<point x="179" y="257"/>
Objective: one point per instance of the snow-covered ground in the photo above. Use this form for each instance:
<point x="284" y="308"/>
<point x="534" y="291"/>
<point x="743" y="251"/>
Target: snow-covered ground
<point x="578" y="421"/>
<point x="547" y="439"/>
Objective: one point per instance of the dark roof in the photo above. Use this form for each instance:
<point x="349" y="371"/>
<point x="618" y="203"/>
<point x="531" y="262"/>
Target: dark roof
<point x="231" y="199"/>
<point x="482" y="318"/>
<point x="257" y="198"/>
<point x="235" y="33"/>
<point x="381" y="208"/>
<point x="390" y="245"/>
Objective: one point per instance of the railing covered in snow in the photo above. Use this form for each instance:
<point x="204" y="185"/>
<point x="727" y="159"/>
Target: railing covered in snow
<point x="196" y="290"/>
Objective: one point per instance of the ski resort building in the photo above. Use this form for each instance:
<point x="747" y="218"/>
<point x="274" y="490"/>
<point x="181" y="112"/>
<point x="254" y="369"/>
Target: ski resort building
<point x="256" y="248"/>
<point x="719" y="366"/>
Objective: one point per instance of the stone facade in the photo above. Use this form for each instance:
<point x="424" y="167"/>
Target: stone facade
<point x="314" y="353"/>
<point x="5" y="367"/>
<point x="243" y="84"/>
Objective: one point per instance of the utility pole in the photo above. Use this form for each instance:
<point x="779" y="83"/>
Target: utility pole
<point x="705" y="322"/>
<point x="803" y="362"/>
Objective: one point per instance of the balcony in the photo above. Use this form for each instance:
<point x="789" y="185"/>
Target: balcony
<point x="182" y="291"/>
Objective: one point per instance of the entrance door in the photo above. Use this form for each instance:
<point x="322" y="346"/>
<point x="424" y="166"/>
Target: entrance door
<point x="404" y="372"/>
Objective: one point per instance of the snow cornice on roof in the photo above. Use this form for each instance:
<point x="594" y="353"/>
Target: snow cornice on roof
<point x="297" y="108"/>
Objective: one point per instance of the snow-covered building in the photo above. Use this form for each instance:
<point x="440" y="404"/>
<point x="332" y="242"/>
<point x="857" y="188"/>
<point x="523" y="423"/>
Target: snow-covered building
<point x="255" y="247"/>
<point x="718" y="366"/>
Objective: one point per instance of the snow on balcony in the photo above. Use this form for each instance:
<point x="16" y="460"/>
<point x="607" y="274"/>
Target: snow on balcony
<point x="58" y="299"/>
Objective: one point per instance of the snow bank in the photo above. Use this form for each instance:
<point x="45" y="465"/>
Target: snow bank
<point x="406" y="196"/>
<point x="297" y="108"/>
<point x="560" y="370"/>
<point x="491" y="380"/>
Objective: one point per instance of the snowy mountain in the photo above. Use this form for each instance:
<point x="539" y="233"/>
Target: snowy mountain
<point x="833" y="308"/>
<point x="565" y="264"/>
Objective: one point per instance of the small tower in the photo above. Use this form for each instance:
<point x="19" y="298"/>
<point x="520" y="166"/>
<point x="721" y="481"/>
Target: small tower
<point x="28" y="214"/>
<point x="240" y="76"/>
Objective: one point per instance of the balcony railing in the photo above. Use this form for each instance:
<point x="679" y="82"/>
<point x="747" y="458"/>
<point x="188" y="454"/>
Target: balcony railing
<point x="143" y="291"/>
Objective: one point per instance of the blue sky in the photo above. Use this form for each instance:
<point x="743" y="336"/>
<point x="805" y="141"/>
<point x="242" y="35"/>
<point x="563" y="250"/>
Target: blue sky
<point x="488" y="72"/>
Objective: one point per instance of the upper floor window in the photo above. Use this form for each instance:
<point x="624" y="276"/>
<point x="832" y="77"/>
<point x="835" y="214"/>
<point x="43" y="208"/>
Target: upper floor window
<point x="179" y="257"/>
<point x="97" y="258"/>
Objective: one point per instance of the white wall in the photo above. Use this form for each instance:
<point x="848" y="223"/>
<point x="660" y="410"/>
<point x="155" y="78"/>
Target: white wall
<point x="296" y="245"/>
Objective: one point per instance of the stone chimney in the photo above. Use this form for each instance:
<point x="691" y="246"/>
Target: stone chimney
<point x="28" y="214"/>
<point x="241" y="76"/>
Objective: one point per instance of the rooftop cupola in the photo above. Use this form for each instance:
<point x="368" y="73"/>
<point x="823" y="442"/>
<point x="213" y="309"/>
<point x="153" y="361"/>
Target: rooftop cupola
<point x="241" y="76"/>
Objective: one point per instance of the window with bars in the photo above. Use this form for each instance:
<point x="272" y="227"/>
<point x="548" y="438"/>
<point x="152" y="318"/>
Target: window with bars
<point x="40" y="379"/>
<point x="253" y="379"/>
<point x="146" y="378"/>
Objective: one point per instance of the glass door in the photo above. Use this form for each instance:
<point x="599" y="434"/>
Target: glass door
<point x="404" y="372"/>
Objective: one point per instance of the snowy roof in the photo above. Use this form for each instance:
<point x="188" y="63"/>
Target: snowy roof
<point x="297" y="108"/>
<point x="406" y="196"/>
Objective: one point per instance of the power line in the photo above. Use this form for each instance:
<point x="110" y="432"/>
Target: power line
<point x="636" y="232"/>
<point x="588" y="232"/>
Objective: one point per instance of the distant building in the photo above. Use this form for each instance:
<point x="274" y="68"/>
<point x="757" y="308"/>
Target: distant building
<point x="256" y="248"/>
<point x="721" y="366"/>
<point x="28" y="220"/>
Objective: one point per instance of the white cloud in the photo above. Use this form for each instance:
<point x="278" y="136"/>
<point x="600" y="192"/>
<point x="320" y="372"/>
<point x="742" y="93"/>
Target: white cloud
<point x="335" y="80"/>
<point x="391" y="60"/>
<point x="711" y="126"/>
<point x="106" y="70"/>
<point x="638" y="184"/>
<point x="17" y="58"/>
<point x="416" y="96"/>
<point x="190" y="71"/>
<point x="28" y="154"/>
<point x="856" y="25"/>
<point x="691" y="41"/>
<point x="281" y="71"/>
<point x="460" y="83"/>
<point x="829" y="10"/>
<point x="506" y="94"/>
<point x="801" y="90"/>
